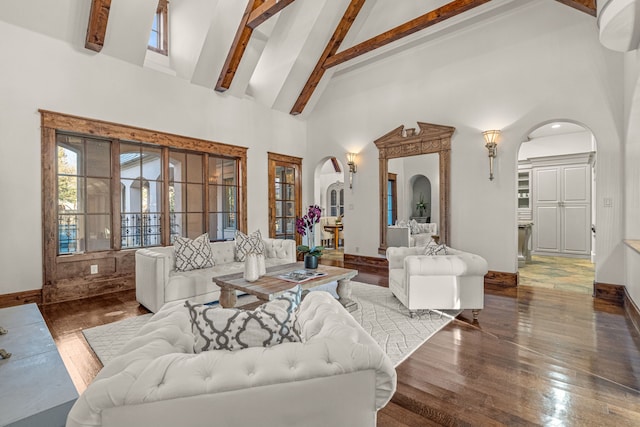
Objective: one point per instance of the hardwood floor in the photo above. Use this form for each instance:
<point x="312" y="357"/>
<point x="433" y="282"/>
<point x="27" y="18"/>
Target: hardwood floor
<point x="536" y="357"/>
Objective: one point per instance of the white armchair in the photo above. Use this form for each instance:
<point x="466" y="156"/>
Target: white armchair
<point x="437" y="282"/>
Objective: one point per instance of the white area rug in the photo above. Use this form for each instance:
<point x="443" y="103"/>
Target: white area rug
<point x="379" y="313"/>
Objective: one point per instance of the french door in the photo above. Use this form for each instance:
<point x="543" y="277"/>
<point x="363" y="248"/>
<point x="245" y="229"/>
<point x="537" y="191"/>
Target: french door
<point x="285" y="196"/>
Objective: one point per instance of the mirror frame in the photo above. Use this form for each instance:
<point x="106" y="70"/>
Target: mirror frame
<point x="401" y="142"/>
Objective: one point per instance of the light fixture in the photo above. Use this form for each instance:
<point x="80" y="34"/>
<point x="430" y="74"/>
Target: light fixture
<point x="491" y="137"/>
<point x="351" y="161"/>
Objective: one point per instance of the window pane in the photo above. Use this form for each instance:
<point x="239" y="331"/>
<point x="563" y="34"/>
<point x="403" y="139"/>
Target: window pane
<point x="130" y="160"/>
<point x="290" y="192"/>
<point x="290" y="175"/>
<point x="229" y="174"/>
<point x="177" y="162"/>
<point x="279" y="192"/>
<point x="151" y="163"/>
<point x="215" y="170"/>
<point x="98" y="232"/>
<point x="131" y="196"/>
<point x="279" y="209"/>
<point x="178" y="198"/>
<point x="195" y="226"/>
<point x="140" y="230"/>
<point x="290" y="226"/>
<point x="68" y="160"/>
<point x="280" y="174"/>
<point x="194" y="168"/>
<point x="67" y="234"/>
<point x="176" y="226"/>
<point x="152" y="196"/>
<point x="289" y="209"/>
<point x="194" y="198"/>
<point x="98" y="158"/>
<point x="279" y="226"/>
<point x="98" y="195"/>
<point x="70" y="193"/>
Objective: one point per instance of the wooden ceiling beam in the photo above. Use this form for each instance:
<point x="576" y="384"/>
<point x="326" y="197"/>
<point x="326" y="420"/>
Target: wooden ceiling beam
<point x="257" y="12"/>
<point x="332" y="47"/>
<point x="97" y="27"/>
<point x="265" y="11"/>
<point x="433" y="17"/>
<point x="586" y="6"/>
<point x="336" y="165"/>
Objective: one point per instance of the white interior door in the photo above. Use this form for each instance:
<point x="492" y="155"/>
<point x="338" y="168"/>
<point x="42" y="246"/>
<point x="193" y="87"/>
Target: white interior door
<point x="546" y="221"/>
<point x="576" y="209"/>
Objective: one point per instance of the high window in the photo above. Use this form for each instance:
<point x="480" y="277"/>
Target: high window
<point x="335" y="196"/>
<point x="159" y="37"/>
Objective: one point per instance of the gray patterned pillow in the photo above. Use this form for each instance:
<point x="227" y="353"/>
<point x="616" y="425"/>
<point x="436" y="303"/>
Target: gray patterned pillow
<point x="217" y="328"/>
<point x="414" y="227"/>
<point x="193" y="254"/>
<point x="435" y="249"/>
<point x="252" y="243"/>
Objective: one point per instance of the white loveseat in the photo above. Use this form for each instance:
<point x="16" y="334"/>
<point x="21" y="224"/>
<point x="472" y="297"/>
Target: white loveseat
<point x="400" y="235"/>
<point x="337" y="376"/>
<point x="158" y="282"/>
<point x="438" y="282"/>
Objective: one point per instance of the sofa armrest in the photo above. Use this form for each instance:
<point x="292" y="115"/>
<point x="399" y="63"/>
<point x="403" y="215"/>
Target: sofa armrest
<point x="396" y="255"/>
<point x="152" y="273"/>
<point x="458" y="264"/>
<point x="284" y="249"/>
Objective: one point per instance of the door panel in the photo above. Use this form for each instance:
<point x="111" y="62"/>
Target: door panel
<point x="547" y="228"/>
<point x="576" y="184"/>
<point x="547" y="187"/>
<point x="576" y="235"/>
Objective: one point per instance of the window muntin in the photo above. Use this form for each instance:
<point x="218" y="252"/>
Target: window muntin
<point x="83" y="172"/>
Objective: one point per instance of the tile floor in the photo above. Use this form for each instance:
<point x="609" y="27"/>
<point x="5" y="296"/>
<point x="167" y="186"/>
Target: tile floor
<point x="568" y="274"/>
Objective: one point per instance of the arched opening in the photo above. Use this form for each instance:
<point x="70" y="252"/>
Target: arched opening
<point x="556" y="207"/>
<point x="329" y="194"/>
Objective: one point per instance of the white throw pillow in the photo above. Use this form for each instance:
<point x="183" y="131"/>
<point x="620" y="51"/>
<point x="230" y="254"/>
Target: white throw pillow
<point x="414" y="227"/>
<point x="246" y="244"/>
<point x="272" y="323"/>
<point x="193" y="254"/>
<point x="435" y="249"/>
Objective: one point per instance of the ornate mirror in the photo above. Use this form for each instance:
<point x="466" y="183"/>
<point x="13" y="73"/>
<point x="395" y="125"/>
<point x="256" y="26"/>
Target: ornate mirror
<point x="402" y="142"/>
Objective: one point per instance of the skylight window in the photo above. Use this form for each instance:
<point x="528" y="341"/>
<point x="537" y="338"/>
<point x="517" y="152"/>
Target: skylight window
<point x="158" y="39"/>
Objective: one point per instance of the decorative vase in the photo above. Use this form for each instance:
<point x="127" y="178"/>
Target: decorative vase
<point x="262" y="268"/>
<point x="310" y="261"/>
<point x="251" y="272"/>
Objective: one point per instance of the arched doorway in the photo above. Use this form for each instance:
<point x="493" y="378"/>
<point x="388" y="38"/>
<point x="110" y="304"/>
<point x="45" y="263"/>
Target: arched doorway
<point x="329" y="194"/>
<point x="556" y="207"/>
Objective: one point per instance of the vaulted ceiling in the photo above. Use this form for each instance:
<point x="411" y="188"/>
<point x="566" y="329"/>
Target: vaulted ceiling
<point x="282" y="53"/>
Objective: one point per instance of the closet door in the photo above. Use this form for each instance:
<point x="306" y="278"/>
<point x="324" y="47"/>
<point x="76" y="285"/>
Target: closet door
<point x="547" y="209"/>
<point x="576" y="209"/>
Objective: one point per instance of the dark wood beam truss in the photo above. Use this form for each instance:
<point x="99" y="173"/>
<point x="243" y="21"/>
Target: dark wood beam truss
<point x="332" y="47"/>
<point x="336" y="165"/>
<point x="97" y="28"/>
<point x="433" y="17"/>
<point x="266" y="11"/>
<point x="586" y="6"/>
<point x="330" y="57"/>
<point x="257" y="12"/>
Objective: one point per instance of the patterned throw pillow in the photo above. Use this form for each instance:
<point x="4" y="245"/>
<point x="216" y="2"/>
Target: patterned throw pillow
<point x="435" y="249"/>
<point x="252" y="243"/>
<point x="217" y="328"/>
<point x="193" y="254"/>
<point x="414" y="227"/>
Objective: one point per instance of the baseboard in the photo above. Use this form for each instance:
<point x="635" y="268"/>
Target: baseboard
<point x="19" y="298"/>
<point x="371" y="263"/>
<point x="607" y="292"/>
<point x="500" y="278"/>
<point x="632" y="310"/>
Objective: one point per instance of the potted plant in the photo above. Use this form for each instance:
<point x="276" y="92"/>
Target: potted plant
<point x="304" y="227"/>
<point x="421" y="206"/>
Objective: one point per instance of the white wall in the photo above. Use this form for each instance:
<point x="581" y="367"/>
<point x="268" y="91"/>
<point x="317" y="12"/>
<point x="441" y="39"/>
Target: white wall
<point x="538" y="63"/>
<point x="39" y="72"/>
<point x="579" y="142"/>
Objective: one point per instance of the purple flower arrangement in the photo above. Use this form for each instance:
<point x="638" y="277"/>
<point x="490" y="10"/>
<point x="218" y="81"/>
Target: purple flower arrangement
<point x="304" y="227"/>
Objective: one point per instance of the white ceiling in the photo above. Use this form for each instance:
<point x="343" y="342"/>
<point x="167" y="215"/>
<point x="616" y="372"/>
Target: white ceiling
<point x="555" y="129"/>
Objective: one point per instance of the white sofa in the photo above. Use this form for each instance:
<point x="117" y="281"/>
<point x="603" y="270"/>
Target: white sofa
<point x="157" y="281"/>
<point x="437" y="282"/>
<point x="337" y="376"/>
<point x="400" y="235"/>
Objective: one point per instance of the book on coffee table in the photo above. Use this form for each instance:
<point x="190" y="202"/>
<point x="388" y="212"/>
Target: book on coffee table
<point x="299" y="276"/>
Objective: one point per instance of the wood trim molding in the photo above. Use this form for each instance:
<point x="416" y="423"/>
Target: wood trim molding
<point x="401" y="142"/>
<point x="19" y="298"/>
<point x="632" y="310"/>
<point x="609" y="292"/>
<point x="500" y="278"/>
<point x="330" y="49"/>
<point x="430" y="18"/>
<point x="586" y="6"/>
<point x="97" y="26"/>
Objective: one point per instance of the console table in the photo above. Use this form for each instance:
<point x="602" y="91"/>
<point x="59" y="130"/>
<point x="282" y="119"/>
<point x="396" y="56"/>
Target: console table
<point x="36" y="389"/>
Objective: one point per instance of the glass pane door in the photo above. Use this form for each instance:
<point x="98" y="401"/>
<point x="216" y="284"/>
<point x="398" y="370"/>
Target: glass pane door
<point x="284" y="196"/>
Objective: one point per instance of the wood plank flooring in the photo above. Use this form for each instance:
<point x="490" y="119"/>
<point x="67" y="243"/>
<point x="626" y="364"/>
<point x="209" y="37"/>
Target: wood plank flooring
<point x="536" y="357"/>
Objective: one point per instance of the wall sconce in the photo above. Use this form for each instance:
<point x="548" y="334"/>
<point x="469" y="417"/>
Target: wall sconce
<point x="491" y="137"/>
<point x="351" y="161"/>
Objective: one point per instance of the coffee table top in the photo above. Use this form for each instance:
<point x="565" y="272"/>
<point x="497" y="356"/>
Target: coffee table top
<point x="270" y="286"/>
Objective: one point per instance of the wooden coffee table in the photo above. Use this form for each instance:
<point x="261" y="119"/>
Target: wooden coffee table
<point x="269" y="286"/>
